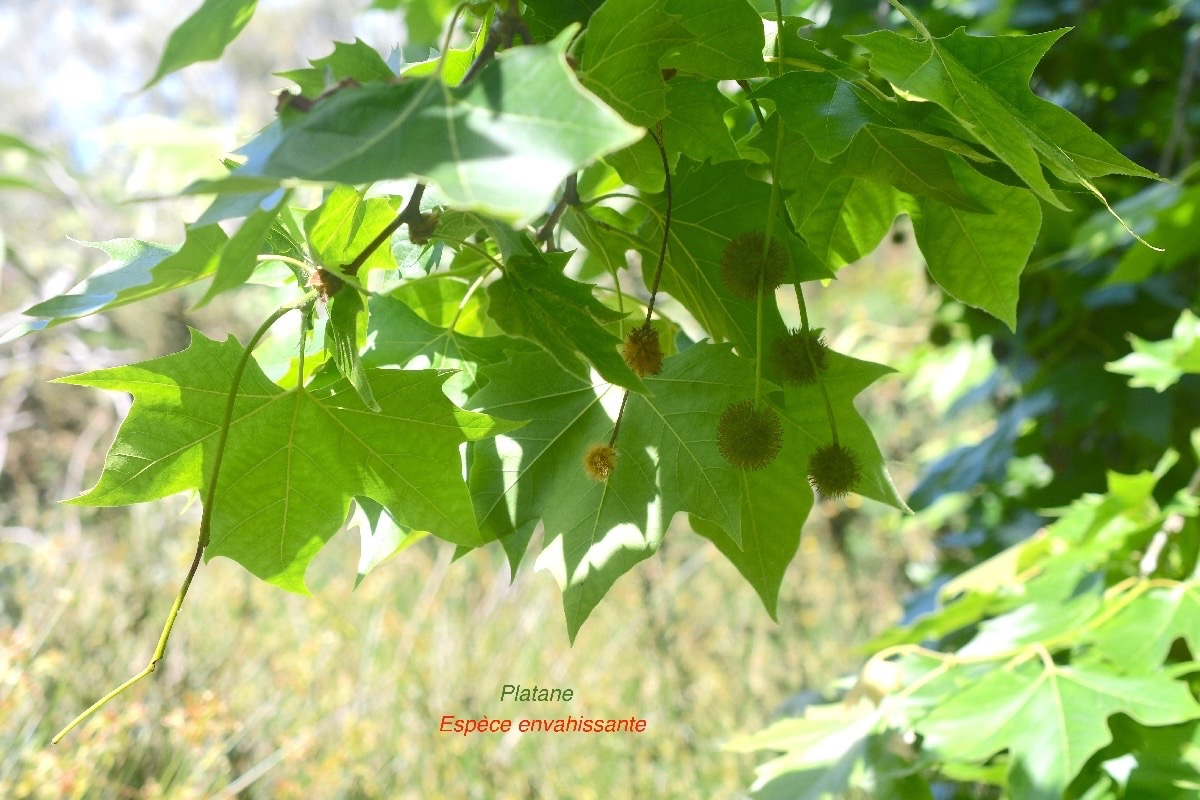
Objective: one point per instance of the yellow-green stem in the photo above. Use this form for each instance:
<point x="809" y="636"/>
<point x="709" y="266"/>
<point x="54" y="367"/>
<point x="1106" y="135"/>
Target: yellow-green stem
<point x="160" y="650"/>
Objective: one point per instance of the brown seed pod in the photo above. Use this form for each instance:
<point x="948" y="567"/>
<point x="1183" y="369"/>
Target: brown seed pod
<point x="749" y="438"/>
<point x="742" y="263"/>
<point x="790" y="361"/>
<point x="599" y="461"/>
<point x="325" y="282"/>
<point x="642" y="351"/>
<point x="834" y="470"/>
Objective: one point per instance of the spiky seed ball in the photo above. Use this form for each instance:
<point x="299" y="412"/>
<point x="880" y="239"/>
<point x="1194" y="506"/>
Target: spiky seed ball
<point x="642" y="351"/>
<point x="749" y="438"/>
<point x="742" y="263"/>
<point x="599" y="461"/>
<point x="834" y="470"/>
<point x="790" y="361"/>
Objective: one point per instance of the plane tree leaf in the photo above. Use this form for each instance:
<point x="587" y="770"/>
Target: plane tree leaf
<point x="398" y="335"/>
<point x="622" y="55"/>
<point x="535" y="301"/>
<point x="294" y="458"/>
<point x="713" y="204"/>
<point x="727" y="39"/>
<point x="136" y="270"/>
<point x="500" y="145"/>
<point x="355" y="60"/>
<point x="1050" y="718"/>
<point x="983" y="81"/>
<point x="203" y="36"/>
<point x="667" y="462"/>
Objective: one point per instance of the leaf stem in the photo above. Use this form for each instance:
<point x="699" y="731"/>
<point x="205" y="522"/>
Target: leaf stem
<point x="614" y="195"/>
<point x="503" y="31"/>
<point x="411" y="213"/>
<point x="804" y="326"/>
<point x="295" y="262"/>
<point x="662" y="259"/>
<point x="467" y="297"/>
<point x="160" y="650"/>
<point x="908" y="15"/>
<point x="769" y="226"/>
<point x="441" y="237"/>
<point x="570" y="197"/>
<point x="666" y="237"/>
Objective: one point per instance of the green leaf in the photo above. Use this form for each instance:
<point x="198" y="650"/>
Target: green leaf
<point x="841" y="218"/>
<point x="424" y="20"/>
<point x="293" y="459"/>
<point x="978" y="258"/>
<point x="983" y="81"/>
<point x="1160" y="365"/>
<point x="1139" y="636"/>
<point x="239" y="259"/>
<point x="667" y="462"/>
<point x="626" y="41"/>
<point x="397" y="336"/>
<point x="137" y="270"/>
<point x="380" y="538"/>
<point x="355" y="60"/>
<point x="713" y="204"/>
<point x="501" y="145"/>
<point x="819" y="751"/>
<point x="456" y="63"/>
<point x="776" y="500"/>
<point x="775" y="504"/>
<point x="203" y="36"/>
<point x="727" y="39"/>
<point x="344" y="331"/>
<point x="640" y="165"/>
<point x="695" y="122"/>
<point x="603" y="237"/>
<point x="1050" y="718"/>
<point x="547" y="17"/>
<point x="804" y="416"/>
<point x="342" y="227"/>
<point x="827" y="110"/>
<point x="535" y="301"/>
<point x="914" y="167"/>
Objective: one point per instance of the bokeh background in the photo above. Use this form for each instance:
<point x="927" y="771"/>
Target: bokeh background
<point x="268" y="695"/>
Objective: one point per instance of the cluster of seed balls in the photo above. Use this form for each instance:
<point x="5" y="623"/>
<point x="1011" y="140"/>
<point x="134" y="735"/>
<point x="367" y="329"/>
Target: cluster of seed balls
<point x="750" y="438"/>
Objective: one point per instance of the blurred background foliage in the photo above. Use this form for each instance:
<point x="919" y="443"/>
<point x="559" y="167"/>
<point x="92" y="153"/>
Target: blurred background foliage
<point x="337" y="696"/>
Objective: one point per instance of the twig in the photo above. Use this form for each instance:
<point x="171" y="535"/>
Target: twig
<point x="411" y="214"/>
<point x="1171" y="525"/>
<point x="666" y="237"/>
<point x="504" y="29"/>
<point x="570" y="197"/>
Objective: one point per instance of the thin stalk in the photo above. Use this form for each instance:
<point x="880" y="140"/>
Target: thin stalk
<point x="410" y="213"/>
<point x="612" y="195"/>
<point x="295" y="262"/>
<point x="908" y="15"/>
<point x="467" y="297"/>
<point x="758" y="346"/>
<point x="470" y="246"/>
<point x="160" y="650"/>
<point x="666" y="237"/>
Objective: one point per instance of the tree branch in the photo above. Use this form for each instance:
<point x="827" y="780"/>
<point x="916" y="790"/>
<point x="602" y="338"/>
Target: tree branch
<point x="417" y="224"/>
<point x="504" y="29"/>
<point x="570" y="197"/>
